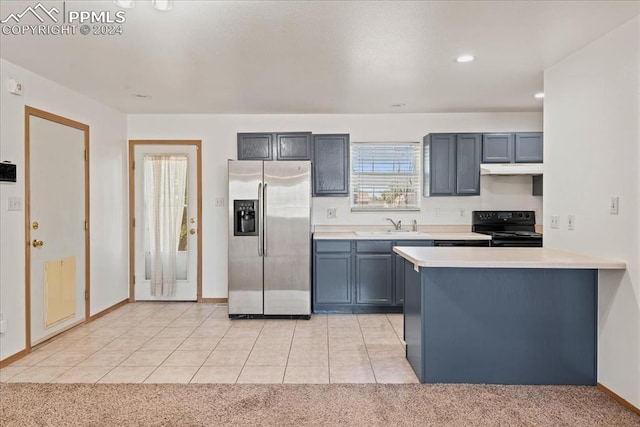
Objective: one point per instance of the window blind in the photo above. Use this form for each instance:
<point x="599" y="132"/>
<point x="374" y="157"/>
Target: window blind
<point x="385" y="176"/>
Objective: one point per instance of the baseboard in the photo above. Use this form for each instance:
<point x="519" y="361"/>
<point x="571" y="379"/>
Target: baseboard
<point x="618" y="399"/>
<point x="215" y="300"/>
<point x="108" y="310"/>
<point x="9" y="360"/>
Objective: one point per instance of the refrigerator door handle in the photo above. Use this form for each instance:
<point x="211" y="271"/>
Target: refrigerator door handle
<point x="259" y="216"/>
<point x="264" y="220"/>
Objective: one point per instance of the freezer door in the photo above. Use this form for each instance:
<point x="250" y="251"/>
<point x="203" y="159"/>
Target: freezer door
<point x="245" y="262"/>
<point x="287" y="245"/>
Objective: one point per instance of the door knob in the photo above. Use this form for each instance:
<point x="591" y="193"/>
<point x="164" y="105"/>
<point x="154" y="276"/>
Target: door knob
<point x="37" y="243"/>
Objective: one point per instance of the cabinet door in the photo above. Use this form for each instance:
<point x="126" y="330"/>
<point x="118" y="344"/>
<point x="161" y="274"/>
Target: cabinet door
<point x="442" y="164"/>
<point x="332" y="278"/>
<point x="468" y="149"/>
<point x="528" y="147"/>
<point x="255" y="146"/>
<point x="373" y="279"/>
<point x="293" y="146"/>
<point x="330" y="165"/>
<point x="497" y="148"/>
<point x="398" y="267"/>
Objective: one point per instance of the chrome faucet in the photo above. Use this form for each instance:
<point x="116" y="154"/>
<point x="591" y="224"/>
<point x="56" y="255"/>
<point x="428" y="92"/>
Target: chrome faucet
<point x="397" y="225"/>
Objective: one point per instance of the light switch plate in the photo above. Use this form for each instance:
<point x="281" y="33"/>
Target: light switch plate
<point x="219" y="202"/>
<point x="331" y="213"/>
<point x="14" y="204"/>
<point x="555" y="221"/>
<point x="614" y="205"/>
<point x="571" y="222"/>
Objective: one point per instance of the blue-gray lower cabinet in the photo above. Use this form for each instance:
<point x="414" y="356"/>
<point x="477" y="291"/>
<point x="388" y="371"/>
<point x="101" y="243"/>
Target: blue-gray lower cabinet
<point x="398" y="267"/>
<point x="501" y="326"/>
<point x="358" y="276"/>
<point x="333" y="272"/>
<point x="374" y="281"/>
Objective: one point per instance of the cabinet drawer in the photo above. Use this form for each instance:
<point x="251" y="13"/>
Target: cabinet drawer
<point x="414" y="243"/>
<point x="333" y="245"/>
<point x="373" y="246"/>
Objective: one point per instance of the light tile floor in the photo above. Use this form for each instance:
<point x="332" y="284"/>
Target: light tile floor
<point x="198" y="343"/>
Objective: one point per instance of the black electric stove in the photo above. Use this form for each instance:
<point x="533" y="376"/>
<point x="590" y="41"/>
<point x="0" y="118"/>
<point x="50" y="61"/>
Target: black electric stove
<point x="508" y="228"/>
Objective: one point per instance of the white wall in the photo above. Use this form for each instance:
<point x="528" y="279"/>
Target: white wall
<point x="592" y="140"/>
<point x="109" y="283"/>
<point x="218" y="135"/>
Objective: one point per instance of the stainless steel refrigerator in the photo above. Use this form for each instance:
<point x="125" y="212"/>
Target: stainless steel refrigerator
<point x="269" y="238"/>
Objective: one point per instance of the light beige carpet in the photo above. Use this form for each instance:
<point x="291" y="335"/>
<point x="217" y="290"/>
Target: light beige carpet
<point x="299" y="405"/>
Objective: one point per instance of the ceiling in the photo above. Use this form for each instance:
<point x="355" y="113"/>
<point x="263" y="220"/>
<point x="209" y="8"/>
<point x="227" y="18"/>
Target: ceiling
<point x="317" y="56"/>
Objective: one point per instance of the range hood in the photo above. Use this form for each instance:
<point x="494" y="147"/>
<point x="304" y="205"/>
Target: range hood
<point x="511" y="169"/>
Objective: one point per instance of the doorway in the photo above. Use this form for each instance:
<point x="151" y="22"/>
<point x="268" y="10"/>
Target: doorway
<point x="165" y="211"/>
<point x="56" y="224"/>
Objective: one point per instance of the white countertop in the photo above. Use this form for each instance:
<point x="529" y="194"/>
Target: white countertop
<point x="383" y="235"/>
<point x="482" y="257"/>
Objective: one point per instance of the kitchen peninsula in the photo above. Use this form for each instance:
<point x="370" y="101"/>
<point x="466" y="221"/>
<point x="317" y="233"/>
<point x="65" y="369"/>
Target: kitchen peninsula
<point x="501" y="315"/>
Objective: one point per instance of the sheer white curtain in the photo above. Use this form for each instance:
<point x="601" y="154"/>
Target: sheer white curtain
<point x="165" y="180"/>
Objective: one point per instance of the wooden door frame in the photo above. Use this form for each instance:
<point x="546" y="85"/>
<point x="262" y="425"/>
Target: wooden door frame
<point x="132" y="180"/>
<point x="28" y="112"/>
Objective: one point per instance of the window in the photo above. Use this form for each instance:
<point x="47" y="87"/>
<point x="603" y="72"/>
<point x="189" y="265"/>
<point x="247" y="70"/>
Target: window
<point x="385" y="176"/>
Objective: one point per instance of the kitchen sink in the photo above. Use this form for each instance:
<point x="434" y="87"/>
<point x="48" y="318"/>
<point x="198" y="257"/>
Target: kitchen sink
<point x="390" y="233"/>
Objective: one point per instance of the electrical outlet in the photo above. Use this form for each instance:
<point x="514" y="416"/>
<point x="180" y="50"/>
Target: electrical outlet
<point x="3" y="326"/>
<point x="613" y="206"/>
<point x="219" y="202"/>
<point x="555" y="221"/>
<point x="571" y="222"/>
<point x="462" y="212"/>
<point x="331" y="213"/>
<point x="437" y="212"/>
<point x="14" y="204"/>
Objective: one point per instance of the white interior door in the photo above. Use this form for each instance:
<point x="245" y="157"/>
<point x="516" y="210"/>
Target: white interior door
<point x="57" y="227"/>
<point x="186" y="288"/>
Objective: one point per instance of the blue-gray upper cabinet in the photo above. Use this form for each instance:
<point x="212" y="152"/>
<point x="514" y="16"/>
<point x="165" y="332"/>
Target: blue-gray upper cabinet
<point x="497" y="148"/>
<point x="293" y="146"/>
<point x="452" y="164"/>
<point x="255" y="146"/>
<point x="468" y="151"/>
<point x="440" y="164"/>
<point x="522" y="147"/>
<point x="330" y="157"/>
<point x="528" y="147"/>
<point x="274" y="146"/>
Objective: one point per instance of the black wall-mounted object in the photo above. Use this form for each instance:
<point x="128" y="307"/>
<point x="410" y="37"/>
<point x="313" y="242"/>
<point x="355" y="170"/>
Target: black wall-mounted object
<point x="245" y="217"/>
<point x="8" y="172"/>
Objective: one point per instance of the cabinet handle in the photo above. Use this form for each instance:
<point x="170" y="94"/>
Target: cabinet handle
<point x="264" y="215"/>
<point x="259" y="215"/>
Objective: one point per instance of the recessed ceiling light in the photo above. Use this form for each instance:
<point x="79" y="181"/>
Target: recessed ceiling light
<point x="127" y="4"/>
<point x="465" y="58"/>
<point x="539" y="95"/>
<point x="397" y="105"/>
<point x="141" y="96"/>
<point x="162" y="4"/>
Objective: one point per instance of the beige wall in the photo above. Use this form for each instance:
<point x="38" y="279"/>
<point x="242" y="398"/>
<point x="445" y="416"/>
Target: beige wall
<point x="592" y="152"/>
<point x="108" y="196"/>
